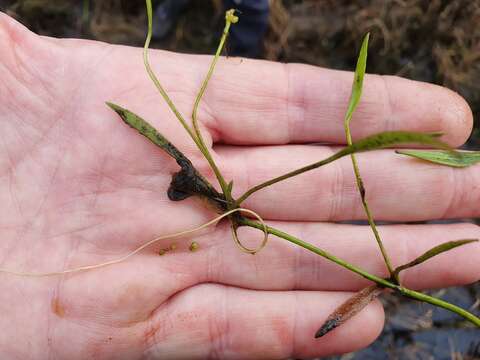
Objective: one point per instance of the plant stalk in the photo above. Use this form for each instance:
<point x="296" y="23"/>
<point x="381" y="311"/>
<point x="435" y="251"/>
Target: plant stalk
<point x="380" y="281"/>
<point x="230" y="19"/>
<point x="293" y="173"/>
<point x="155" y="80"/>
<point x="368" y="212"/>
<point x="357" y="89"/>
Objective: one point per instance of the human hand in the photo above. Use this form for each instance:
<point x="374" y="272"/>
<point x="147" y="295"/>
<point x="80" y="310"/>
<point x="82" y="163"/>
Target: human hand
<point x="78" y="187"/>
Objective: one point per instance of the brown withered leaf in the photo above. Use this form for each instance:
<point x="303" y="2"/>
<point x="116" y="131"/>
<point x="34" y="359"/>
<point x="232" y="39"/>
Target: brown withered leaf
<point x="349" y="308"/>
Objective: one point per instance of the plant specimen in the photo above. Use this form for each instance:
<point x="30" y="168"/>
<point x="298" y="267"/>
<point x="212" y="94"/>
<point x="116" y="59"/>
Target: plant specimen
<point x="188" y="181"/>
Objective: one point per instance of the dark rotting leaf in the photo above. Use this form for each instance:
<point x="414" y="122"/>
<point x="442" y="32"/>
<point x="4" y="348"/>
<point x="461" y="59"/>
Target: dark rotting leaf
<point x="330" y="324"/>
<point x="177" y="195"/>
<point x="188" y="181"/>
<point x="349" y="308"/>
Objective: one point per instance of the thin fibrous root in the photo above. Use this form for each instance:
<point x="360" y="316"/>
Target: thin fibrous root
<point x="265" y="237"/>
<point x="140" y="248"/>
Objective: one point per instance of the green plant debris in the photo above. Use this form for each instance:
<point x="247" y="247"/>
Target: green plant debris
<point x="163" y="251"/>
<point x="194" y="246"/>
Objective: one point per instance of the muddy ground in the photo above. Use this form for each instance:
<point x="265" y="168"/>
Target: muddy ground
<point x="435" y="41"/>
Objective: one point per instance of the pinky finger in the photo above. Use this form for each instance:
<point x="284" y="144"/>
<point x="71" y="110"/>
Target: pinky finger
<point x="221" y="322"/>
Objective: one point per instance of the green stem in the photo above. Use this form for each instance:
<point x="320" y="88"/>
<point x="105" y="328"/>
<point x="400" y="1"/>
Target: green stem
<point x="318" y="251"/>
<point x="230" y="19"/>
<point x="361" y="189"/>
<point x="380" y="281"/>
<point x="440" y="303"/>
<point x="85" y="14"/>
<point x="154" y="79"/>
<point x="318" y="164"/>
<point x="355" y="97"/>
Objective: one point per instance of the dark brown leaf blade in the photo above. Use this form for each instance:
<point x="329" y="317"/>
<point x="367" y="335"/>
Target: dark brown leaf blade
<point x="349" y="308"/>
<point x="441" y="157"/>
<point x="437" y="250"/>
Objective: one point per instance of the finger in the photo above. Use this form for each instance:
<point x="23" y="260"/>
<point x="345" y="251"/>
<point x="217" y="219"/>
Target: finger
<point x="398" y="188"/>
<point x="247" y="101"/>
<point x="215" y="321"/>
<point x="285" y="266"/>
<point x="135" y="289"/>
<point x="259" y="102"/>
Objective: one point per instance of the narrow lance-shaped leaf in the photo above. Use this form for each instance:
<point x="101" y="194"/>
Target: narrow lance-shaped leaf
<point x="349" y="308"/>
<point x="393" y="138"/>
<point x="437" y="250"/>
<point x="147" y="130"/>
<point x="355" y="96"/>
<point x="357" y="85"/>
<point x="460" y="159"/>
<point x="373" y="142"/>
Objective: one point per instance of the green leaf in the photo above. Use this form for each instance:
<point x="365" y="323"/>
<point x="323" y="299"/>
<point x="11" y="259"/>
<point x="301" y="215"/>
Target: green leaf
<point x="147" y="130"/>
<point x="355" y="96"/>
<point x="393" y="138"/>
<point x="437" y="250"/>
<point x="373" y="142"/>
<point x="358" y="79"/>
<point x="461" y="159"/>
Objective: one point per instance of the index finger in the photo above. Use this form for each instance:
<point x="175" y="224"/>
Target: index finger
<point x="258" y="102"/>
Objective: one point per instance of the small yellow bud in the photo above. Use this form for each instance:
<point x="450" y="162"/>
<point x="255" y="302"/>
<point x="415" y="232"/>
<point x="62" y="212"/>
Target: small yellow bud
<point x="230" y="16"/>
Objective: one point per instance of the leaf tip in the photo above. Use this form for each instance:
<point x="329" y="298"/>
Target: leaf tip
<point x="113" y="106"/>
<point x="436" y="134"/>
<point x="366" y="38"/>
<point x="328" y="326"/>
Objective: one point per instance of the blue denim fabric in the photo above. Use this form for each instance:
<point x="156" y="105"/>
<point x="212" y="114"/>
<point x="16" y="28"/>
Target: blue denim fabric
<point x="245" y="37"/>
<point x="165" y="16"/>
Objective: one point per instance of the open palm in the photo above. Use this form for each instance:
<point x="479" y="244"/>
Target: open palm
<point x="78" y="187"/>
